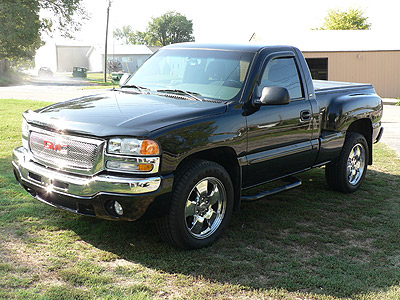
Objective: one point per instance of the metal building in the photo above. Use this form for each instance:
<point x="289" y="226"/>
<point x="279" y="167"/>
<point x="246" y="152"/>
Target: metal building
<point x="92" y="57"/>
<point x="381" y="68"/>
<point x="131" y="57"/>
<point x="363" y="56"/>
<point x="69" y="56"/>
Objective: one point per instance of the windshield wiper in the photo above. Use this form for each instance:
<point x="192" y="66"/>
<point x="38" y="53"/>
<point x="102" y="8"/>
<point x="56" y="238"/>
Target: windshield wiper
<point x="141" y="89"/>
<point x="192" y="95"/>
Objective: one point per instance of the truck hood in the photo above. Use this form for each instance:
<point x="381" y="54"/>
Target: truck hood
<point x="121" y="113"/>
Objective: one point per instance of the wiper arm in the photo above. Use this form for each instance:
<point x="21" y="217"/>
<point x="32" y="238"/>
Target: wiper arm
<point x="192" y="95"/>
<point x="141" y="89"/>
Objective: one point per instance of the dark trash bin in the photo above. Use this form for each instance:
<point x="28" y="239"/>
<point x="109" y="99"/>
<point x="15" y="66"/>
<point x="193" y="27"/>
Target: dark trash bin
<point x="116" y="77"/>
<point x="79" y="72"/>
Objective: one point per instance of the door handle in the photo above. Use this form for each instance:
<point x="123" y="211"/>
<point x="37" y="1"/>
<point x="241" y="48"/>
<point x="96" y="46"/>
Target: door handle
<point x="305" y="115"/>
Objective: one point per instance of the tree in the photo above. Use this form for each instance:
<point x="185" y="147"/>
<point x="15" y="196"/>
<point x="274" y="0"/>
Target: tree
<point x="170" y="28"/>
<point x="22" y="27"/>
<point x="67" y="16"/>
<point x="130" y="37"/>
<point x="19" y="30"/>
<point x="353" y="19"/>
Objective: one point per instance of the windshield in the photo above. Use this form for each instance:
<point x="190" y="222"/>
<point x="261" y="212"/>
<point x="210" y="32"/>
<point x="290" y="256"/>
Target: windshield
<point x="216" y="74"/>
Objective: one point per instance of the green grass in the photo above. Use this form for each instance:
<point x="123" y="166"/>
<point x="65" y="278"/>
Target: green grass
<point x="309" y="243"/>
<point x="98" y="80"/>
<point x="11" y="77"/>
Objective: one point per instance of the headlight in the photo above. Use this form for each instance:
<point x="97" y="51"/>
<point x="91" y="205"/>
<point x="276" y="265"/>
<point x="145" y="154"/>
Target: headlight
<point x="131" y="146"/>
<point x="132" y="155"/>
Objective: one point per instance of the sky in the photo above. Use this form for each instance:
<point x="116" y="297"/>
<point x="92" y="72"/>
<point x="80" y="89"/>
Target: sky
<point x="233" y="21"/>
<point x="215" y="21"/>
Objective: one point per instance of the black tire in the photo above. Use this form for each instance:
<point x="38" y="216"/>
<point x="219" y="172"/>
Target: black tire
<point x="347" y="173"/>
<point x="201" y="205"/>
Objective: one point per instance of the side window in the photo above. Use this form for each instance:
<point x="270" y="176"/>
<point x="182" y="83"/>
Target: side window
<point x="282" y="72"/>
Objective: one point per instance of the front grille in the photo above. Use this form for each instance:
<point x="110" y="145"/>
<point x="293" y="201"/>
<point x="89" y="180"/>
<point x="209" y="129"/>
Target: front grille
<point x="66" y="152"/>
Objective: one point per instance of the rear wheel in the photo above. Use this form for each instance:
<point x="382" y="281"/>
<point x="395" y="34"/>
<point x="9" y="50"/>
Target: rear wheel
<point x="201" y="206"/>
<point x="347" y="173"/>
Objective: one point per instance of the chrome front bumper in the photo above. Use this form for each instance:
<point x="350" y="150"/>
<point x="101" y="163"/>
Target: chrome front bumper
<point x="94" y="195"/>
<point x="78" y="186"/>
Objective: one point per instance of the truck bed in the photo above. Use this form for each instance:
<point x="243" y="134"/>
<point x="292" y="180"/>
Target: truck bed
<point x="321" y="86"/>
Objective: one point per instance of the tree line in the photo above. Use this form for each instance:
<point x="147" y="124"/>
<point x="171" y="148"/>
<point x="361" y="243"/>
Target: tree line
<point x="170" y="28"/>
<point x="22" y="27"/>
<point x="351" y="19"/>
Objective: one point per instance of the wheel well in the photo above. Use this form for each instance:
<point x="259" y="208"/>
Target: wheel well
<point x="364" y="127"/>
<point x="227" y="158"/>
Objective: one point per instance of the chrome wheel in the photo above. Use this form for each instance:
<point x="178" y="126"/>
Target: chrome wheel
<point x="356" y="164"/>
<point x="205" y="207"/>
<point x="201" y="205"/>
<point x="346" y="173"/>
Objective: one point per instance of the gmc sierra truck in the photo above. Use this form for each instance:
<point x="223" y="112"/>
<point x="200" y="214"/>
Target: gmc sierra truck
<point x="196" y="126"/>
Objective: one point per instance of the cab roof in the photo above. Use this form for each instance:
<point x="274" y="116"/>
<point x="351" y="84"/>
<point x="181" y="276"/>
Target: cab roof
<point x="249" y="47"/>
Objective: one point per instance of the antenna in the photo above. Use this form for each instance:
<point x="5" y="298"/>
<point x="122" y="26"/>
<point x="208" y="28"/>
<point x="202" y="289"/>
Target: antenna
<point x="252" y="36"/>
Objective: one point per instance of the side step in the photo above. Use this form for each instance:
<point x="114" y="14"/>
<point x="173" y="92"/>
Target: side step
<point x="292" y="182"/>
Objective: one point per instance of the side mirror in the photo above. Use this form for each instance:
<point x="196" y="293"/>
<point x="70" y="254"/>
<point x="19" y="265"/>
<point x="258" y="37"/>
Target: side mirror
<point x="273" y="95"/>
<point x="124" y="79"/>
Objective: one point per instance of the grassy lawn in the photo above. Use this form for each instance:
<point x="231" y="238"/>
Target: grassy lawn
<point x="309" y="243"/>
<point x="11" y="77"/>
<point x="98" y="80"/>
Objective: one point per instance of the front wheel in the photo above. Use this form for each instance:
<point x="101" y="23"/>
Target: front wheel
<point x="201" y="205"/>
<point x="347" y="173"/>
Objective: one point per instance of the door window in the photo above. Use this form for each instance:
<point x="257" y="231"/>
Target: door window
<point x="283" y="72"/>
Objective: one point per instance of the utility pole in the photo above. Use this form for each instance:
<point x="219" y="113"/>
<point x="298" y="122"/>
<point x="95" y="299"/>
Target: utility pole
<point x="105" y="46"/>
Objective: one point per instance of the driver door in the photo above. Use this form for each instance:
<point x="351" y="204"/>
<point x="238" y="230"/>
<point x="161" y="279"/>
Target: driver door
<point x="279" y="136"/>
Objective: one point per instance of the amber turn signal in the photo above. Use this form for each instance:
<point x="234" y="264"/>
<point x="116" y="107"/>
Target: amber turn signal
<point x="149" y="148"/>
<point x="145" y="167"/>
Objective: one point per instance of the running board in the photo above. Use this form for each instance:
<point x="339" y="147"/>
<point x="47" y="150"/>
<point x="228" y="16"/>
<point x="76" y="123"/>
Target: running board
<point x="292" y="182"/>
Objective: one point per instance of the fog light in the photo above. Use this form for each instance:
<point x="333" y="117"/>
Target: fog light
<point x="118" y="208"/>
<point x="122" y="165"/>
<point x="128" y="166"/>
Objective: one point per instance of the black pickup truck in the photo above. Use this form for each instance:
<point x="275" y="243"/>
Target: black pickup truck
<point x="193" y="128"/>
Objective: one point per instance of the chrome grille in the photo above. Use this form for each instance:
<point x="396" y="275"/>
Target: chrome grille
<point x="70" y="153"/>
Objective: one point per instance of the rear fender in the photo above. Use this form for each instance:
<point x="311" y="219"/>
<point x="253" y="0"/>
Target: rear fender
<point x="345" y="110"/>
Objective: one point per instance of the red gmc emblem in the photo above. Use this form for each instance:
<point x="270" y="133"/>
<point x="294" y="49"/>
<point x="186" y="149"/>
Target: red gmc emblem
<point x="63" y="149"/>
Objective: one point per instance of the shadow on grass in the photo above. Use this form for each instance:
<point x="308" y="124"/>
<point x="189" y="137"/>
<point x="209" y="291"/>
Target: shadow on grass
<point x="308" y="240"/>
<point x="59" y="81"/>
<point x="49" y="81"/>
